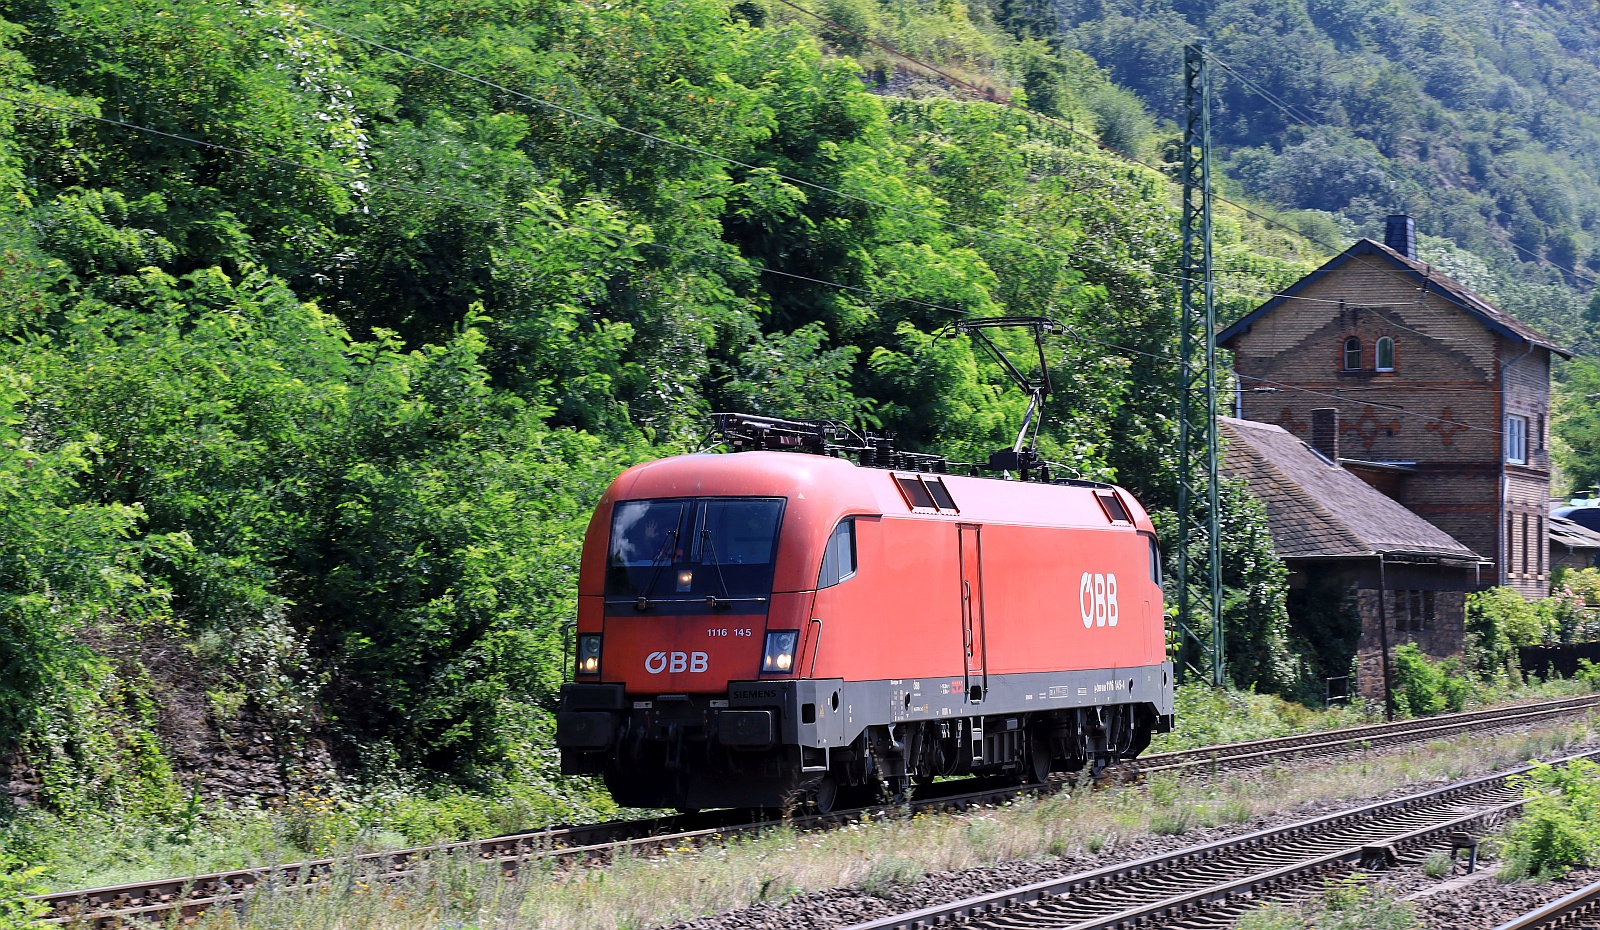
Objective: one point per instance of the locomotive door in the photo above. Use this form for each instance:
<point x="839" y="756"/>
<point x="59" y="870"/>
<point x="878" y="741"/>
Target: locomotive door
<point x="975" y="670"/>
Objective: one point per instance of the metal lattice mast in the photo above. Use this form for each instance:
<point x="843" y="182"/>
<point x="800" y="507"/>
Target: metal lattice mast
<point x="1199" y="582"/>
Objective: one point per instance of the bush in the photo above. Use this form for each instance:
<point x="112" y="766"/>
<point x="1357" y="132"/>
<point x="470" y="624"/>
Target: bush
<point x="1498" y="620"/>
<point x="1560" y="823"/>
<point x="17" y="881"/>
<point x="1419" y="683"/>
<point x="1207" y="716"/>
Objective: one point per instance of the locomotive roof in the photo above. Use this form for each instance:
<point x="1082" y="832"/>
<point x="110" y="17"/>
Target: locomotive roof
<point x="821" y="490"/>
<point x="834" y="487"/>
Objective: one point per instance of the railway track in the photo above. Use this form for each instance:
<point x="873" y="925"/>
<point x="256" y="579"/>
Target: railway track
<point x="190" y="895"/>
<point x="1579" y="910"/>
<point x="1211" y="885"/>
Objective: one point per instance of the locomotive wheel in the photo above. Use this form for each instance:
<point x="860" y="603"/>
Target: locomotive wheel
<point x="825" y="795"/>
<point x="1039" y="761"/>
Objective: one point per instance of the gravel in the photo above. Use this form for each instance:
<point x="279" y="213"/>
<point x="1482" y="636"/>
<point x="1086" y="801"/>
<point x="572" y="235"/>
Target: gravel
<point x="842" y="907"/>
<point x="1483" y="904"/>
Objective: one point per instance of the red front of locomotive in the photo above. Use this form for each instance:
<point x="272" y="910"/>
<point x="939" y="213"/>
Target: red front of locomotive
<point x="763" y="627"/>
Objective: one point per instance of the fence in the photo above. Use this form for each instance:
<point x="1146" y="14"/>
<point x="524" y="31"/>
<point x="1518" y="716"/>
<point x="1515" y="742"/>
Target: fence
<point x="1560" y="659"/>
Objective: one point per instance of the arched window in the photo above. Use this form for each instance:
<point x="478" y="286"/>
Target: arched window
<point x="1352" y="354"/>
<point x="1385" y="354"/>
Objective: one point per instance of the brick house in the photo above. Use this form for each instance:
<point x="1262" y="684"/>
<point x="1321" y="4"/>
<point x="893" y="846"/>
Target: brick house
<point x="1421" y="387"/>
<point x="1365" y="574"/>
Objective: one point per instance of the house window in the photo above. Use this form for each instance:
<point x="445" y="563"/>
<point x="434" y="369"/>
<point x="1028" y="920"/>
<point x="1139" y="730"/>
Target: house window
<point x="1526" y="540"/>
<point x="1541" y="544"/>
<point x="1413" y="611"/>
<point x="1517" y="440"/>
<point x="1352" y="354"/>
<point x="1386" y="354"/>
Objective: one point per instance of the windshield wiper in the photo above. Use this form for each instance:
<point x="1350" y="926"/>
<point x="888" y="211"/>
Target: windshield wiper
<point x="709" y="543"/>
<point x="670" y="544"/>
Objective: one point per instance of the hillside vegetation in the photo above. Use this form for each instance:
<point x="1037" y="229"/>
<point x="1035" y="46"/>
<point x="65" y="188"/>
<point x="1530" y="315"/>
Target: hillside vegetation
<point x="1475" y="116"/>
<point x="319" y="351"/>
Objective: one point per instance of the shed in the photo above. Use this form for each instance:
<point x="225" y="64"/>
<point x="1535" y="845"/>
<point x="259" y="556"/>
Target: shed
<point x="1365" y="573"/>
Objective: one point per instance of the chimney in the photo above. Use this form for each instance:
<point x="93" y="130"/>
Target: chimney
<point x="1325" y="432"/>
<point x="1400" y="234"/>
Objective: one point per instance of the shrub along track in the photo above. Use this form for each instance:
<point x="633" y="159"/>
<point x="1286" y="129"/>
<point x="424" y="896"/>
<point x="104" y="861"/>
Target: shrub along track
<point x="1211" y="885"/>
<point x="579" y="845"/>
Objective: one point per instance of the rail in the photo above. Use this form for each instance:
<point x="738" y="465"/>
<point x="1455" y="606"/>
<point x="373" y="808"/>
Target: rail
<point x="1561" y="912"/>
<point x="1211" y="882"/>
<point x="190" y="895"/>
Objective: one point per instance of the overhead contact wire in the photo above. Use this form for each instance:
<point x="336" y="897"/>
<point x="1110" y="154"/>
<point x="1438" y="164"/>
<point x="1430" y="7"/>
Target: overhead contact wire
<point x="478" y="205"/>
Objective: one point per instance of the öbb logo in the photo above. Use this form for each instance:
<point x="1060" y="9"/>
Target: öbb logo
<point x="658" y="662"/>
<point x="1097" y="598"/>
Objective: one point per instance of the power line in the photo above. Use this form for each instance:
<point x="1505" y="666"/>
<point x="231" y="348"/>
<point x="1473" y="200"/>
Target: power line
<point x="480" y="205"/>
<point x="1295" y="114"/>
<point x="1333" y="249"/>
<point x="605" y="123"/>
<point x="699" y="150"/>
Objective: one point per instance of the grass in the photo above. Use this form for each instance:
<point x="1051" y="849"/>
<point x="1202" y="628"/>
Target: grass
<point x="1346" y="903"/>
<point x="683" y="883"/>
<point x="1208" y="717"/>
<point x="96" y="848"/>
<point x="90" y="848"/>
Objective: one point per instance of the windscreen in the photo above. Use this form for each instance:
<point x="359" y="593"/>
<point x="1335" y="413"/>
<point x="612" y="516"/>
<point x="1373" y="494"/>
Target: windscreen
<point x="689" y="549"/>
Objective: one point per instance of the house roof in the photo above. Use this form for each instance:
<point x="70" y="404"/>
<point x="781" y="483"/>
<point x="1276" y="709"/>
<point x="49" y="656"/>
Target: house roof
<point x="1573" y="535"/>
<point x="1425" y="277"/>
<point x="1317" y="510"/>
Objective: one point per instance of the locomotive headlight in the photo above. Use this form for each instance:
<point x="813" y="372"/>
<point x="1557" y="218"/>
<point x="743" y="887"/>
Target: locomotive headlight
<point x="778" y="656"/>
<point x="589" y="654"/>
<point x="685" y="580"/>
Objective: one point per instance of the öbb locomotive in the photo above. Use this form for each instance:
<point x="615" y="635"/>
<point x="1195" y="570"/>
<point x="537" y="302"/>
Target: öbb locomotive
<point x="761" y="628"/>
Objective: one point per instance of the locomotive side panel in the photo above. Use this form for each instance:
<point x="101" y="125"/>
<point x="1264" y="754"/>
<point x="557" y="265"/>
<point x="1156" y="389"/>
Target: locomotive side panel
<point x="694" y="699"/>
<point x="900" y="616"/>
<point x="1067" y="599"/>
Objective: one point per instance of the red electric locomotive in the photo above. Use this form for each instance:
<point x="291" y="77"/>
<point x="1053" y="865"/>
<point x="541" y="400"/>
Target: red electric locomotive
<point x="762" y="627"/>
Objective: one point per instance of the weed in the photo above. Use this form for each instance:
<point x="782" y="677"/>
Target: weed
<point x="1094" y="844"/>
<point x="888" y="873"/>
<point x="1438" y="865"/>
<point x="1346" y="904"/>
<point x="1235" y="810"/>
<point x="1177" y="819"/>
<point x="17" y="881"/>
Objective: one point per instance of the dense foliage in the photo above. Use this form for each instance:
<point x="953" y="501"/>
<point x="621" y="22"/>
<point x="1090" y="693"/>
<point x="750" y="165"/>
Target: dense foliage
<point x="326" y="325"/>
<point x="1472" y="116"/>
<point x="318" y="354"/>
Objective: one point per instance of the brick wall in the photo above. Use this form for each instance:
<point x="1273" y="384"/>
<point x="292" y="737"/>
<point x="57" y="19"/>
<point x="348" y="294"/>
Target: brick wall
<point x="1440" y="406"/>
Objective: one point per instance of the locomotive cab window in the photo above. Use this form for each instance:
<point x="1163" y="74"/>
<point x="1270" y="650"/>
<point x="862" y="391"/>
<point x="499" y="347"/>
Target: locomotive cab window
<point x="839" y="557"/>
<point x="689" y="549"/>
<point x="1155" y="559"/>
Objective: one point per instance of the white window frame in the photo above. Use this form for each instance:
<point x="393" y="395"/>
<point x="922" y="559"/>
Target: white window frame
<point x="1516" y="440"/>
<point x="1378" y="358"/>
